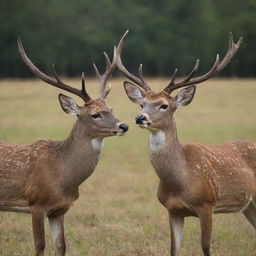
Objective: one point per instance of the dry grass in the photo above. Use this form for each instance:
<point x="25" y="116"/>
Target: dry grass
<point x="117" y="213"/>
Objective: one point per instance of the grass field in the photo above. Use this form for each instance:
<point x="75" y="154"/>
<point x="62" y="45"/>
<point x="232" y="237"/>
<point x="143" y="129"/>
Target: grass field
<point x="117" y="213"/>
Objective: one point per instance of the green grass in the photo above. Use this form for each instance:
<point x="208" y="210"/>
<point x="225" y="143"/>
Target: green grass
<point x="117" y="213"/>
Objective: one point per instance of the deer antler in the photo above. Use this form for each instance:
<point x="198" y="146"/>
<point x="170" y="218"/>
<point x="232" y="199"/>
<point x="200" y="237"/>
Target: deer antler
<point x="55" y="81"/>
<point x="216" y="68"/>
<point x="137" y="80"/>
<point x="103" y="91"/>
<point x="110" y="66"/>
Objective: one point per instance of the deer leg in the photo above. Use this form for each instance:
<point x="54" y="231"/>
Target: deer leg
<point x="38" y="230"/>
<point x="205" y="216"/>
<point x="176" y="226"/>
<point x="250" y="214"/>
<point x="57" y="231"/>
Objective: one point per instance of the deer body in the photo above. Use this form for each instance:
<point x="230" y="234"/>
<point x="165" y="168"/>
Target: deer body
<point x="46" y="172"/>
<point x="43" y="178"/>
<point x="193" y="174"/>
<point x="195" y="180"/>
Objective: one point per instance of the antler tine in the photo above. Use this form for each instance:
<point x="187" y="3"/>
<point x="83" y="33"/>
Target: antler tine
<point x="83" y="82"/>
<point x="171" y="86"/>
<point x="48" y="79"/>
<point x="120" y="46"/>
<point x="196" y="80"/>
<point x="83" y="89"/>
<point x="140" y="73"/>
<point x="194" y="70"/>
<point x="110" y="66"/>
<point x="103" y="92"/>
<point x="206" y="76"/>
<point x="173" y="76"/>
<point x="231" y="40"/>
<point x="55" y="74"/>
<point x="216" y="68"/>
<point x="108" y="63"/>
<point x="233" y="48"/>
<point x="96" y="70"/>
<point x="137" y="80"/>
<point x="168" y="88"/>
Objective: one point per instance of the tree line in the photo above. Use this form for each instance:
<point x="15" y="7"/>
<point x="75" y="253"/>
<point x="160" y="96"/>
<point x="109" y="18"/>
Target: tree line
<point x="164" y="34"/>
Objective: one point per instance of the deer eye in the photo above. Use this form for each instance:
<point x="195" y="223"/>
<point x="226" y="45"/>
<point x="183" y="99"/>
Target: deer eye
<point x="141" y="105"/>
<point x="95" y="116"/>
<point x="164" y="106"/>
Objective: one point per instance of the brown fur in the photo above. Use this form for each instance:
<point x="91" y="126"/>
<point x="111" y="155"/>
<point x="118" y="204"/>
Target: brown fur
<point x="195" y="180"/>
<point x="43" y="178"/>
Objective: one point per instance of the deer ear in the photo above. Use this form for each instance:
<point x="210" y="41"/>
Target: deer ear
<point x="69" y="105"/>
<point x="134" y="93"/>
<point x="185" y="96"/>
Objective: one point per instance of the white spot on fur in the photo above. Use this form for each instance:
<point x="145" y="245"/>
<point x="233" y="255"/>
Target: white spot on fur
<point x="54" y="229"/>
<point x="97" y="144"/>
<point x="157" y="141"/>
<point x="177" y="227"/>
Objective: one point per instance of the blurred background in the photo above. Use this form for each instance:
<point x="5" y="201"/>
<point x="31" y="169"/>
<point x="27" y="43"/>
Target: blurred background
<point x="163" y="35"/>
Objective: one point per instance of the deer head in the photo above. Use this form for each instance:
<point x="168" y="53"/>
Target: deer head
<point x="95" y="116"/>
<point x="158" y="108"/>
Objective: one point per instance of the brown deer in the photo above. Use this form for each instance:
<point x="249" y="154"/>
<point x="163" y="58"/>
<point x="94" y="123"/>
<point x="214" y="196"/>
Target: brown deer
<point x="195" y="180"/>
<point x="43" y="178"/>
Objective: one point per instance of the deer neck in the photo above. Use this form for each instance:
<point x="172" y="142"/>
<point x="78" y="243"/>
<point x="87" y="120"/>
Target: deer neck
<point x="79" y="155"/>
<point x="167" y="156"/>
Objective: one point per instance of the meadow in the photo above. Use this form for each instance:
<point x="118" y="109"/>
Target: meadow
<point x="117" y="213"/>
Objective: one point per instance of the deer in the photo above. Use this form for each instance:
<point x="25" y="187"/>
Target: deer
<point x="195" y="180"/>
<point x="43" y="178"/>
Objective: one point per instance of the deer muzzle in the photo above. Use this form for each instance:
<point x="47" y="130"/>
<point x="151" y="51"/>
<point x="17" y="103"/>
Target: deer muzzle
<point x="124" y="127"/>
<point x="142" y="120"/>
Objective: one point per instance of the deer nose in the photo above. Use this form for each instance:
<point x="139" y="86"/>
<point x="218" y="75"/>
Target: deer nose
<point x="124" y="127"/>
<point x="140" y="118"/>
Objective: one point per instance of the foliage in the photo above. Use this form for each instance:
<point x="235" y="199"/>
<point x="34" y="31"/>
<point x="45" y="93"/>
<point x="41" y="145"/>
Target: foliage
<point x="164" y="34"/>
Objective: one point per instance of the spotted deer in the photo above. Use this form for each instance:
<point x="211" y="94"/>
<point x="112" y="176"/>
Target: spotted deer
<point x="195" y="180"/>
<point x="43" y="178"/>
